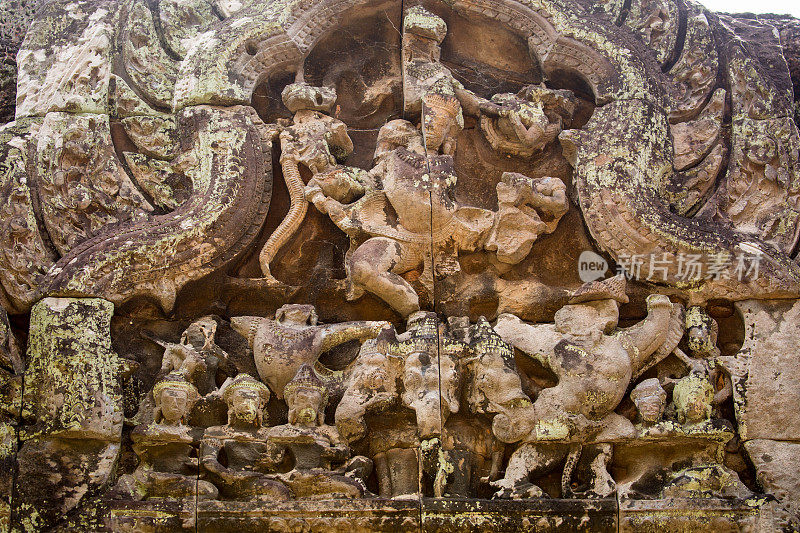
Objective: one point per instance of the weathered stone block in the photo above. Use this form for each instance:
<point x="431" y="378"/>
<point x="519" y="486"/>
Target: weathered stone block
<point x="71" y="387"/>
<point x="777" y="472"/>
<point x="681" y="515"/>
<point x="73" y="402"/>
<point x="764" y="372"/>
<point x="320" y="516"/>
<point x="519" y="515"/>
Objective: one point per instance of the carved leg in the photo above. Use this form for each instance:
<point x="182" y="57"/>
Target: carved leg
<point x="462" y="461"/>
<point x="601" y="484"/>
<point x="311" y="484"/>
<point x="245" y="486"/>
<point x="293" y="219"/>
<point x="167" y="485"/>
<point x="569" y="466"/>
<point x="372" y="267"/>
<point x="403" y="471"/>
<point x="529" y="459"/>
<point x="384" y="480"/>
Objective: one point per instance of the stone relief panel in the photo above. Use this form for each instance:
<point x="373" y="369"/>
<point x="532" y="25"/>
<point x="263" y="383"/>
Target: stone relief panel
<point x="388" y="266"/>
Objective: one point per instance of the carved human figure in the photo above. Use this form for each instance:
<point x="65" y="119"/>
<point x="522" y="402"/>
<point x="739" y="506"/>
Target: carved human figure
<point x="294" y="338"/>
<point x="312" y="139"/>
<point x="493" y="386"/>
<point x="594" y="369"/>
<point x="696" y="439"/>
<point x="471" y="455"/>
<point x="167" y="447"/>
<point x="370" y="408"/>
<point x="322" y="466"/>
<point x="402" y="391"/>
<point x="693" y="397"/>
<point x="524" y="123"/>
<point x="197" y="356"/>
<point x="703" y="358"/>
<point x="498" y="412"/>
<point x="428" y="228"/>
<point x="527" y="208"/>
<point x="431" y="374"/>
<point x="650" y="399"/>
<point x="693" y="400"/>
<point x="243" y="441"/>
<point x="429" y="88"/>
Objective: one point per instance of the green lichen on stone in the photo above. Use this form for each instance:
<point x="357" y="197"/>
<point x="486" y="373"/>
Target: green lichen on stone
<point x="8" y="441"/>
<point x="690" y="390"/>
<point x="65" y="61"/>
<point x="182" y="20"/>
<point x="420" y="21"/>
<point x="148" y="65"/>
<point x="72" y="377"/>
<point x="155" y="136"/>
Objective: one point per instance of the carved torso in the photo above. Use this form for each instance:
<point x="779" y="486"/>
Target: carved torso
<point x="420" y="189"/>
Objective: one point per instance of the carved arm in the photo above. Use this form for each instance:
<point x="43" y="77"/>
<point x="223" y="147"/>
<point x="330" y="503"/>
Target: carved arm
<point x="350" y="415"/>
<point x="471" y="104"/>
<point x="337" y="454"/>
<point x="209" y="458"/>
<point x="651" y="336"/>
<point x="536" y="341"/>
<point x="332" y="335"/>
<point x="274" y="454"/>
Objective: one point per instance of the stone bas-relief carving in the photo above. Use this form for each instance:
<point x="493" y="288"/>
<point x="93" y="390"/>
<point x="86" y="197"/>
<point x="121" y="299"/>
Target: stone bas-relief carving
<point x="315" y="446"/>
<point x="186" y="345"/>
<point x="243" y="441"/>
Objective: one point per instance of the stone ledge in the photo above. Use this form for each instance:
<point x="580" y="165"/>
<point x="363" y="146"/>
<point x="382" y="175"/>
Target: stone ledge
<point x="684" y="515"/>
<point x="440" y="515"/>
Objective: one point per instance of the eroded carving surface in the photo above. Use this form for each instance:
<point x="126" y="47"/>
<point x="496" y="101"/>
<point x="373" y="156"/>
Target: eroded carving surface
<point x="547" y="280"/>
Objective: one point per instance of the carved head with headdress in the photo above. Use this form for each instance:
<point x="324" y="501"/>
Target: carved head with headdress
<point x="174" y="398"/>
<point x="306" y="396"/>
<point x="423" y="33"/>
<point x="246" y="398"/>
<point x="701" y="332"/>
<point x="650" y="399"/>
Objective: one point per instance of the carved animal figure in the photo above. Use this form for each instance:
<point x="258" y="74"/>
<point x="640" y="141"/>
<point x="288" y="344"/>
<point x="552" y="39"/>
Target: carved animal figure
<point x="293" y="338"/>
<point x="428" y="228"/>
<point x="593" y="369"/>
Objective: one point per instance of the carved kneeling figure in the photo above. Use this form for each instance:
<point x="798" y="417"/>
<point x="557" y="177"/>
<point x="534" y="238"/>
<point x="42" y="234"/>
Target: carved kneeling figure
<point x="244" y="442"/>
<point x="168" y="466"/>
<point x="314" y="446"/>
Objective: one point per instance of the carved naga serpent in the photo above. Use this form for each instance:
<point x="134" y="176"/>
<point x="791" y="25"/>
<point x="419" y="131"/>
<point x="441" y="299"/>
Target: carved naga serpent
<point x="618" y="184"/>
<point x="227" y="157"/>
<point x="226" y="154"/>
